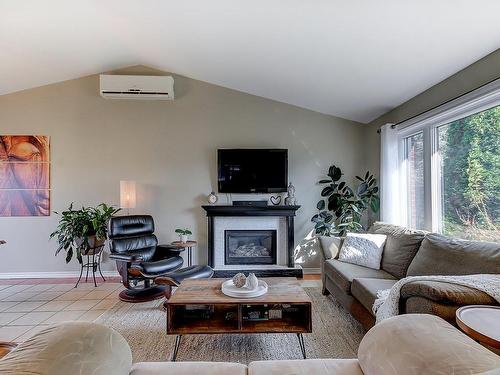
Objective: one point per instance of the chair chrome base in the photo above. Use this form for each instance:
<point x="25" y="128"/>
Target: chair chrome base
<point x="142" y="295"/>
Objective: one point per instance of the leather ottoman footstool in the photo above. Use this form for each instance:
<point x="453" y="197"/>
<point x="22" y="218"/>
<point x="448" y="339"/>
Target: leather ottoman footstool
<point x="175" y="278"/>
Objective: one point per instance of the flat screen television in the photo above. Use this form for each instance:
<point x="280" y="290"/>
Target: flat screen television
<point x="252" y="170"/>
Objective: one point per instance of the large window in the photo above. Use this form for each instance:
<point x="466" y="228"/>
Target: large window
<point x="469" y="154"/>
<point x="450" y="174"/>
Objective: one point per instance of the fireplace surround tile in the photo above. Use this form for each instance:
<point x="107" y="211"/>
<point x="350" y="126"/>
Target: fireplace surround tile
<point x="221" y="224"/>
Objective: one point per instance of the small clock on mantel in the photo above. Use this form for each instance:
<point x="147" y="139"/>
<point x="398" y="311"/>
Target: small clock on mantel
<point x="212" y="198"/>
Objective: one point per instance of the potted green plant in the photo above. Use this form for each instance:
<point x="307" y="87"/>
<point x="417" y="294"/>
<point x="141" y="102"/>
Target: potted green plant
<point x="183" y="234"/>
<point x="83" y="229"/>
<point x="341" y="207"/>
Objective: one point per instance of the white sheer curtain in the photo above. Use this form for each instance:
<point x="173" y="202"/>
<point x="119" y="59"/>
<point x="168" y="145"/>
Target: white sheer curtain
<point x="389" y="176"/>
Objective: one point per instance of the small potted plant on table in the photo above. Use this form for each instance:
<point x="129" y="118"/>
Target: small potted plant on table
<point x="183" y="234"/>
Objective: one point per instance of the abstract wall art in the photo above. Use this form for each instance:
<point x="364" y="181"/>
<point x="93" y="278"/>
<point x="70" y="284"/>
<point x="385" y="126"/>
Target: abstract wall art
<point x="24" y="175"/>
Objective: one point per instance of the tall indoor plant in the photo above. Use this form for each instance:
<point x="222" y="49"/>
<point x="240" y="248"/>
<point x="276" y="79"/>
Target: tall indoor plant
<point x="83" y="229"/>
<point x="341" y="207"/>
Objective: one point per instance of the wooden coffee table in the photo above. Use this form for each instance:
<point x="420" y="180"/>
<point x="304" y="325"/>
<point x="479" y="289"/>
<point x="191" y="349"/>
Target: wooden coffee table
<point x="480" y="322"/>
<point x="199" y="307"/>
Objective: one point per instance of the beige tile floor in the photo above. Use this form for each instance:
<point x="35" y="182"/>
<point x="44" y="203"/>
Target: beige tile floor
<point x="25" y="309"/>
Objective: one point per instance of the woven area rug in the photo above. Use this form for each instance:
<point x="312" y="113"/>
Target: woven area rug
<point x="336" y="334"/>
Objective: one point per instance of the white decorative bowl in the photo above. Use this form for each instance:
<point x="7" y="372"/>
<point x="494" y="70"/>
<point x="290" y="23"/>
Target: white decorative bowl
<point x="229" y="289"/>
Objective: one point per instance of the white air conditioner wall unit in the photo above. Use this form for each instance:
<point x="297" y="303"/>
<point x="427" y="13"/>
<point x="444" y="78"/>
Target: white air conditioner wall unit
<point x="136" y="87"/>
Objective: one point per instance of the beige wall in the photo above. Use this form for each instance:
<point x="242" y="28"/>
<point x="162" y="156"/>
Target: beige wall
<point x="169" y="148"/>
<point x="470" y="78"/>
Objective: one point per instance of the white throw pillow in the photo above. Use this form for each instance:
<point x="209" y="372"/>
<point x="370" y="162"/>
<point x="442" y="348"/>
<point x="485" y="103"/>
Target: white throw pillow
<point x="363" y="249"/>
<point x="330" y="246"/>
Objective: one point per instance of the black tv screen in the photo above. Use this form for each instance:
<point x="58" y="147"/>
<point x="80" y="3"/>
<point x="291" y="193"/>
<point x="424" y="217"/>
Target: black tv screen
<point x="252" y="170"/>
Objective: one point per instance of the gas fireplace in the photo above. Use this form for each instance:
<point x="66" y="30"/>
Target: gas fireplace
<point x="250" y="247"/>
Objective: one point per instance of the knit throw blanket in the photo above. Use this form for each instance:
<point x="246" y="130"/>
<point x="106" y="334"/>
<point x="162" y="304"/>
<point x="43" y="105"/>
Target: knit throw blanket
<point x="387" y="303"/>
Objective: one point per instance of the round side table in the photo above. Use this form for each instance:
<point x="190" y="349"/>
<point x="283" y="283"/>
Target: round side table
<point x="480" y="322"/>
<point x="189" y="245"/>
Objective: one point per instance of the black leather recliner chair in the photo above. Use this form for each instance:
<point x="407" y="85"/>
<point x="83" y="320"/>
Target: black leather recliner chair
<point x="139" y="258"/>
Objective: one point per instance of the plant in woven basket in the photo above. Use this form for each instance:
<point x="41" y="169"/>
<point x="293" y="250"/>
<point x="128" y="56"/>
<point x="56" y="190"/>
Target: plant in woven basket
<point x="341" y="207"/>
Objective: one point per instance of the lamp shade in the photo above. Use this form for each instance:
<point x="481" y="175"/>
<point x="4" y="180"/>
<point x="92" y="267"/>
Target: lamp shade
<point x="127" y="194"/>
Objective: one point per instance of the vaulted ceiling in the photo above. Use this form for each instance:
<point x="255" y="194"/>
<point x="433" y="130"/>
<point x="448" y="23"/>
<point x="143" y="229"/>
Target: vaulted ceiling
<point x="355" y="59"/>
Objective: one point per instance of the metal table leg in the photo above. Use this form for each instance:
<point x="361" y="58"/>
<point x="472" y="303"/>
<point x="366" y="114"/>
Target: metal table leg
<point x="302" y="344"/>
<point x="94" y="266"/>
<point x="81" y="273"/>
<point x="176" y="347"/>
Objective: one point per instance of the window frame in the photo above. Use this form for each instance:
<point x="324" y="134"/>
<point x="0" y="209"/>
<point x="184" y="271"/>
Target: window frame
<point x="486" y="97"/>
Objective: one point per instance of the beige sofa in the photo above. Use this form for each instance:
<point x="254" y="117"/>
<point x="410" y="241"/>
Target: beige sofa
<point x="410" y="253"/>
<point x="407" y="344"/>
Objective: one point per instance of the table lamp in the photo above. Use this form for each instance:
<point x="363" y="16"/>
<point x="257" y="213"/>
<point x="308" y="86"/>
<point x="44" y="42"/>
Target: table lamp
<point x="127" y="195"/>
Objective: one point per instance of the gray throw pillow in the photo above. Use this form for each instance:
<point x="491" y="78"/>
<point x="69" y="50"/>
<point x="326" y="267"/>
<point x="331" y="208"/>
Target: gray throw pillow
<point x="401" y="246"/>
<point x="441" y="255"/>
<point x="330" y="246"/>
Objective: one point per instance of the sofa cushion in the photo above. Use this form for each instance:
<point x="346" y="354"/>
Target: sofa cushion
<point x="446" y="292"/>
<point x="365" y="290"/>
<point x="70" y="348"/>
<point x="330" y="246"/>
<point x="306" y="367"/>
<point x="400" y="248"/>
<point x="161" y="266"/>
<point x="188" y="368"/>
<point x="441" y="255"/>
<point x="422" y="344"/>
<point x="342" y="273"/>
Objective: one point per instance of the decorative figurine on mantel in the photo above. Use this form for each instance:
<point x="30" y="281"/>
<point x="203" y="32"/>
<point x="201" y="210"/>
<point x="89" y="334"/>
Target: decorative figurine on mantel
<point x="290" y="200"/>
<point x="212" y="198"/>
<point x="275" y="199"/>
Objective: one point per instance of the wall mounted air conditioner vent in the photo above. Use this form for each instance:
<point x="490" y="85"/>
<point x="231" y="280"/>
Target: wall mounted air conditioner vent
<point x="136" y="87"/>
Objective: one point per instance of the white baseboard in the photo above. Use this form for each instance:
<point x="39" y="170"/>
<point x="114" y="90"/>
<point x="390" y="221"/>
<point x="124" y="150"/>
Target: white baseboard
<point x="312" y="271"/>
<point x="50" y="275"/>
<point x="66" y="274"/>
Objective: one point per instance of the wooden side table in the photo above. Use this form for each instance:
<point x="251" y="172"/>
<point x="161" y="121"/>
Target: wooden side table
<point x="189" y="245"/>
<point x="480" y="322"/>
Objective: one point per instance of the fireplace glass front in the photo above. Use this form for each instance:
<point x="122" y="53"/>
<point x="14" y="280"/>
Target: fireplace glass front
<point x="250" y="247"/>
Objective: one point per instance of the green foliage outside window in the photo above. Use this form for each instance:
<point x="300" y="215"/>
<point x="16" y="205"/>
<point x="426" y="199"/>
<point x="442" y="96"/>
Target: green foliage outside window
<point x="470" y="157"/>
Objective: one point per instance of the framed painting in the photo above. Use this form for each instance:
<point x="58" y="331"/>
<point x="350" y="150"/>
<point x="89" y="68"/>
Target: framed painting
<point x="24" y="175"/>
